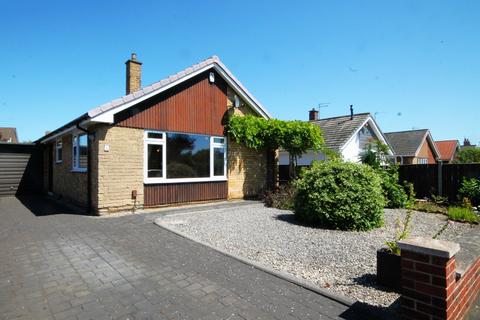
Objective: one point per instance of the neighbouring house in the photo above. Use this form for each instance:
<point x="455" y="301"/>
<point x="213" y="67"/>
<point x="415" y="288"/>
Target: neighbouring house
<point x="447" y="149"/>
<point x="8" y="135"/>
<point x="467" y="144"/>
<point x="413" y="147"/>
<point x="347" y="135"/>
<point x="160" y="144"/>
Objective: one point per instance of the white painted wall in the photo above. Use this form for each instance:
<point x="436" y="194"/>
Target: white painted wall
<point x="351" y="152"/>
<point x="305" y="160"/>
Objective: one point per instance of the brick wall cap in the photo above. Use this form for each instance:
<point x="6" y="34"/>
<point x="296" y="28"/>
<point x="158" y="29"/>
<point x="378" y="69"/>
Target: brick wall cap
<point x="439" y="248"/>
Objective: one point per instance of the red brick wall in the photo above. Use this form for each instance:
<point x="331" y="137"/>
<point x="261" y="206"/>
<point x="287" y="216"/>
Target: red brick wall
<point x="431" y="290"/>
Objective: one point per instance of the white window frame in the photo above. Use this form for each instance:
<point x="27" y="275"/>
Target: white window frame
<point x="163" y="143"/>
<point x="76" y="153"/>
<point x="422" y="160"/>
<point x="58" y="147"/>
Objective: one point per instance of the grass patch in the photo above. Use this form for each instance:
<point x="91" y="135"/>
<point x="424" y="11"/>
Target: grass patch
<point x="462" y="214"/>
<point x="428" y="206"/>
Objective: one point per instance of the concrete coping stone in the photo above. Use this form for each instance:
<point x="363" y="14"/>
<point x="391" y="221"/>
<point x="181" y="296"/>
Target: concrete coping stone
<point x="434" y="247"/>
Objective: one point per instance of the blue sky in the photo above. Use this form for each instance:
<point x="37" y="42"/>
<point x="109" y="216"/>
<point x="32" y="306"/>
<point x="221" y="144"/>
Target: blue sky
<point x="416" y="64"/>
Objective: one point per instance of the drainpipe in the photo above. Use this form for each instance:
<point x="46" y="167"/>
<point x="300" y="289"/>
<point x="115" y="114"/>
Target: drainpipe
<point x="90" y="137"/>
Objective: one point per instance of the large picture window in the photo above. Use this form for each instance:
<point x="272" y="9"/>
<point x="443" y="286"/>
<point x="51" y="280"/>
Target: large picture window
<point x="181" y="157"/>
<point x="80" y="152"/>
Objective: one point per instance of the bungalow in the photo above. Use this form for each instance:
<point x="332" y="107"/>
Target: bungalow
<point x="348" y="135"/>
<point x="160" y="144"/>
<point x="448" y="150"/>
<point x="413" y="147"/>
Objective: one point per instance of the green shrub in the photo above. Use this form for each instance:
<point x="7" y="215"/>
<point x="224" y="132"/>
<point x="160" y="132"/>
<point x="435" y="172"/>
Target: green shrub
<point x="462" y="214"/>
<point x="340" y="195"/>
<point x="470" y="189"/>
<point x="281" y="198"/>
<point x="394" y="193"/>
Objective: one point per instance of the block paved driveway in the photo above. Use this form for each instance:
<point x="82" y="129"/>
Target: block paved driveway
<point x="58" y="265"/>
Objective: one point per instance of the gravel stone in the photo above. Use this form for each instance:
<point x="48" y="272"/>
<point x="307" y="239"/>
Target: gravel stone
<point x="341" y="261"/>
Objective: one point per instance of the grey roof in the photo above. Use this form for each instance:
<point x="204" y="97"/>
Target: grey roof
<point x="406" y="143"/>
<point x="337" y="130"/>
<point x="171" y="79"/>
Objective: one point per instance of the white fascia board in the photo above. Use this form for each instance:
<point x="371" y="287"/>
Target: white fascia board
<point x="65" y="131"/>
<point x="59" y="134"/>
<point x="108" y="116"/>
<point x="375" y="129"/>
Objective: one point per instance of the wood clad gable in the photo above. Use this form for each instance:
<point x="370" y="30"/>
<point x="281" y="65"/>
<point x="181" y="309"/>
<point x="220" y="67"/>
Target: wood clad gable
<point x="194" y="106"/>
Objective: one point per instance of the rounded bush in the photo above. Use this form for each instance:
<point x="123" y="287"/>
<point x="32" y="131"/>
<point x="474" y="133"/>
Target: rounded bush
<point x="340" y="195"/>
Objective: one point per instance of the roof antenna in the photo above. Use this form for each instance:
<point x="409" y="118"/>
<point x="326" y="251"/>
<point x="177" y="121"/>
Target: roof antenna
<point x="351" y="112"/>
<point x="322" y="105"/>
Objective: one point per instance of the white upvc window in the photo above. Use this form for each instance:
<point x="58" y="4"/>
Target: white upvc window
<point x="171" y="157"/>
<point x="58" y="151"/>
<point x="80" y="152"/>
<point x="422" y="161"/>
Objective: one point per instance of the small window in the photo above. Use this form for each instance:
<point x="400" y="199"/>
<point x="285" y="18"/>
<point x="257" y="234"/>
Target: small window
<point x="58" y="152"/>
<point x="218" y="140"/>
<point x="155" y="135"/>
<point x="422" y="161"/>
<point x="80" y="152"/>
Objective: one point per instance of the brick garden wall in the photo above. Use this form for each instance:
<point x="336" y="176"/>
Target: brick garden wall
<point x="431" y="288"/>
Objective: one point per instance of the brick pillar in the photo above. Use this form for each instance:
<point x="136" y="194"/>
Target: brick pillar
<point x="428" y="278"/>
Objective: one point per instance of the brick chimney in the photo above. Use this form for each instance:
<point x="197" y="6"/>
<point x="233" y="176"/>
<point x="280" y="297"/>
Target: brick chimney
<point x="134" y="74"/>
<point x="313" y="115"/>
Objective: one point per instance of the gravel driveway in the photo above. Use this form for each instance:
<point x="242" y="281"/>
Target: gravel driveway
<point x="344" y="262"/>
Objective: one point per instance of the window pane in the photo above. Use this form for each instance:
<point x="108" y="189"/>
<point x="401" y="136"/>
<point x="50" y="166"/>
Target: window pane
<point x="155" y="135"/>
<point x="219" y="161"/>
<point x="188" y="156"/>
<point x="155" y="161"/>
<point x="83" y="151"/>
<point x="59" y="151"/>
<point x="218" y="140"/>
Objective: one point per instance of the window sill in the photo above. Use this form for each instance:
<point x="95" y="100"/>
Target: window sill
<point x="170" y="181"/>
<point x="79" y="170"/>
<point x="58" y="162"/>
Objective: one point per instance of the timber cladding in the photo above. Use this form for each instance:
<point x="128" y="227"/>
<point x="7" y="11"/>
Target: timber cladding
<point x="160" y="194"/>
<point x="195" y="106"/>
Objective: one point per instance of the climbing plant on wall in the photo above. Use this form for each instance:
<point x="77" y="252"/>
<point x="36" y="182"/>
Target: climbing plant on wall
<point x="295" y="137"/>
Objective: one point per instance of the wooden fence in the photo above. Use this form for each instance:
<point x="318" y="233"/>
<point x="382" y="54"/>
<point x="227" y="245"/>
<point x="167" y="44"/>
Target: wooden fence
<point x="427" y="179"/>
<point x="438" y="179"/>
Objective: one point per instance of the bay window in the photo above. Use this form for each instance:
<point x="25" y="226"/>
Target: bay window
<point x="182" y="157"/>
<point x="80" y="152"/>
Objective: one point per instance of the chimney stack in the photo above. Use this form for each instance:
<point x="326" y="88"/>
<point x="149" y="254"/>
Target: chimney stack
<point x="313" y="115"/>
<point x="134" y="74"/>
<point x="351" y="112"/>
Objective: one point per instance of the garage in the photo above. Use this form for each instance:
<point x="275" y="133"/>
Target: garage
<point x="20" y="169"/>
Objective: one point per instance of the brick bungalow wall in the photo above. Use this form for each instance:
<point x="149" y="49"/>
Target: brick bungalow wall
<point x="119" y="170"/>
<point x="117" y="167"/>
<point x="247" y="168"/>
<point x="431" y="287"/>
<point x="71" y="186"/>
